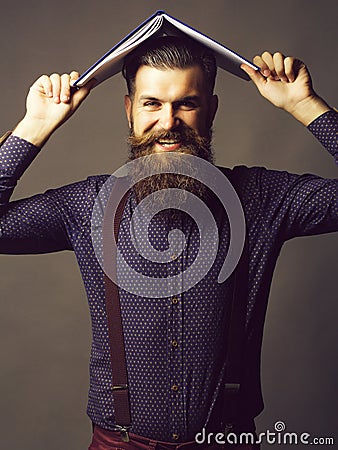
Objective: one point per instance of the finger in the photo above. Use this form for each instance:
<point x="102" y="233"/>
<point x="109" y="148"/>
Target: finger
<point x="266" y="65"/>
<point x="255" y="75"/>
<point x="65" y="88"/>
<point x="81" y="93"/>
<point x="278" y="61"/>
<point x="43" y="85"/>
<point x="74" y="76"/>
<point x="289" y="68"/>
<point x="257" y="60"/>
<point x="267" y="59"/>
<point x="56" y="86"/>
<point x="301" y="69"/>
<point x="47" y="85"/>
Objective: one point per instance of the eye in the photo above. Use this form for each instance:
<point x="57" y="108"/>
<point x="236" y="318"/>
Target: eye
<point x="151" y="104"/>
<point x="188" y="105"/>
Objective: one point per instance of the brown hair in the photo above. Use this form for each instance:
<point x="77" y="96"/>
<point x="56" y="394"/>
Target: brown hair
<point x="170" y="52"/>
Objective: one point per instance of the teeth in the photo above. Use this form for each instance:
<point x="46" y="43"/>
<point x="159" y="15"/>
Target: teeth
<point x="168" y="142"/>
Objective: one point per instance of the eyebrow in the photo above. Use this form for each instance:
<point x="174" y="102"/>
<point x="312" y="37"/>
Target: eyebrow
<point x="193" y="98"/>
<point x="148" y="97"/>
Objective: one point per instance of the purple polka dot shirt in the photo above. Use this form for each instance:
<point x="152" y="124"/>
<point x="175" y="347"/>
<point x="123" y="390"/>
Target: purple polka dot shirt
<point x="175" y="346"/>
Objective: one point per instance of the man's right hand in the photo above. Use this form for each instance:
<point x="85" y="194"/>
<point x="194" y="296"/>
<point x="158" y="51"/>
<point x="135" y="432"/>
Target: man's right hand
<point x="50" y="102"/>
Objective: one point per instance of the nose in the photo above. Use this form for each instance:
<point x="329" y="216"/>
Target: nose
<point x="168" y="119"/>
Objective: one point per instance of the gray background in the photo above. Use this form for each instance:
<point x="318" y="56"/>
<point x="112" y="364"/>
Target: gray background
<point x="45" y="328"/>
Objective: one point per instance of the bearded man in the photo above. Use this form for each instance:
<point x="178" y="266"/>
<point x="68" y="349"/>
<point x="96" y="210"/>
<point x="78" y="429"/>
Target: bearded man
<point x="176" y="345"/>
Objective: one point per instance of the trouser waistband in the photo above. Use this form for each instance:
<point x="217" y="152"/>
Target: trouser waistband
<point x="111" y="440"/>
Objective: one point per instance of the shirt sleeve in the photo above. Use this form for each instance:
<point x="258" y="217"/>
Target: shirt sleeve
<point x="295" y="205"/>
<point x="325" y="129"/>
<point x="39" y="224"/>
<point x="16" y="155"/>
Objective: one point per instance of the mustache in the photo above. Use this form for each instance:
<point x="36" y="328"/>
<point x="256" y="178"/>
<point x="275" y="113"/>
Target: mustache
<point x="184" y="134"/>
<point x="191" y="143"/>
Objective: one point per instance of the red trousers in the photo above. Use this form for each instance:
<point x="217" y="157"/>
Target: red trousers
<point x="110" y="440"/>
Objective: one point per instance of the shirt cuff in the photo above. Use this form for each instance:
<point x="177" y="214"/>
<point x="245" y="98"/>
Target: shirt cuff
<point x="325" y="129"/>
<point x="16" y="154"/>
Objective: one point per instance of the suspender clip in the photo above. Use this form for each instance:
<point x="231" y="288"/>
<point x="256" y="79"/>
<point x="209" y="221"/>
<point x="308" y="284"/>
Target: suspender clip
<point x="232" y="388"/>
<point x="124" y="432"/>
<point x="120" y="387"/>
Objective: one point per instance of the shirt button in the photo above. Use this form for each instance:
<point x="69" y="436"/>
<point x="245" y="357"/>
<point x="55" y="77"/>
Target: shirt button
<point x="174" y="256"/>
<point x="175" y="436"/>
<point x="174" y="300"/>
<point x="174" y="387"/>
<point x="174" y="343"/>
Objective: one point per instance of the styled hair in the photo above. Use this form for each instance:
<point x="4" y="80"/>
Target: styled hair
<point x="170" y="52"/>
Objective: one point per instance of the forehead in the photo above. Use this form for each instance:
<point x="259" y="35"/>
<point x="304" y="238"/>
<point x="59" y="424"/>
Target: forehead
<point x="155" y="82"/>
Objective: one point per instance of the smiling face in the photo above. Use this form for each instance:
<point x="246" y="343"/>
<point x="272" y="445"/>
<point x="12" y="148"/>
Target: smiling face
<point x="170" y="110"/>
<point x="166" y="100"/>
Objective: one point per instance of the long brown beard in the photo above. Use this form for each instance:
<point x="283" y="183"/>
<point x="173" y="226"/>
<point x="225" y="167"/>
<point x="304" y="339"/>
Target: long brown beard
<point x="191" y="144"/>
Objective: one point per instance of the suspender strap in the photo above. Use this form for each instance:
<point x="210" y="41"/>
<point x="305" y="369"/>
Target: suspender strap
<point x="236" y="340"/>
<point x="116" y="341"/>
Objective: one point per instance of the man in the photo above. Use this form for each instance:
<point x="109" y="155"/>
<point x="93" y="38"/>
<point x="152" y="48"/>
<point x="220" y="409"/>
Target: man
<point x="175" y="344"/>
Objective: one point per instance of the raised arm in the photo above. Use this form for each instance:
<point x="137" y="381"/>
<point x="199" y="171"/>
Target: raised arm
<point x="286" y="83"/>
<point x="38" y="224"/>
<point x="50" y="102"/>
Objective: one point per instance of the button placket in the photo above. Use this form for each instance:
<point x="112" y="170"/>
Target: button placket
<point x="175" y="352"/>
<point x="175" y="331"/>
<point x="176" y="380"/>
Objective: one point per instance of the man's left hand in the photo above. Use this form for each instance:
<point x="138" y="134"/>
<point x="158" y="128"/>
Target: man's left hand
<point x="286" y="83"/>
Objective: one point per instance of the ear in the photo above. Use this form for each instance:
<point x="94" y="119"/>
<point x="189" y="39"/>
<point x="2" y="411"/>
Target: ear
<point x="213" y="109"/>
<point x="128" y="106"/>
